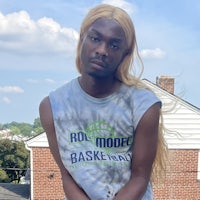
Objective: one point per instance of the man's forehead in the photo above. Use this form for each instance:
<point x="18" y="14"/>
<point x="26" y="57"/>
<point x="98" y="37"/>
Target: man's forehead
<point x="109" y="27"/>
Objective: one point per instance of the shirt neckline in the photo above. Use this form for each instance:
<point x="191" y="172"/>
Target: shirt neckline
<point x="95" y="99"/>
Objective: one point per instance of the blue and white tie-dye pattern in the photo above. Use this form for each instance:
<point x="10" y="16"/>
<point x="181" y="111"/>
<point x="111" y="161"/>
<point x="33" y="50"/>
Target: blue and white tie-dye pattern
<point x="96" y="136"/>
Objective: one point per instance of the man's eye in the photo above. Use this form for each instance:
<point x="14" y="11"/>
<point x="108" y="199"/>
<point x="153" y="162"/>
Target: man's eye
<point x="114" y="46"/>
<point x="94" y="38"/>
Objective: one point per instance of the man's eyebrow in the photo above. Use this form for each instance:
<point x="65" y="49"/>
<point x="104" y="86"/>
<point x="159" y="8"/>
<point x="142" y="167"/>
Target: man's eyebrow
<point x="94" y="30"/>
<point x="114" y="39"/>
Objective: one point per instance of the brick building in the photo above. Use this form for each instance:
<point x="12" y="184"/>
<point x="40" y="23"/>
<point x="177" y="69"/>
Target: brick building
<point x="183" y="173"/>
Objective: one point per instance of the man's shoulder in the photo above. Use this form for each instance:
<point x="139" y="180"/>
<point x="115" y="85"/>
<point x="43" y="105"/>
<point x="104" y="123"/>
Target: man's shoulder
<point x="138" y="93"/>
<point x="134" y="90"/>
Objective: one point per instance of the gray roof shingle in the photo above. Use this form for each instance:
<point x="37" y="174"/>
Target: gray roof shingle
<point x="10" y="191"/>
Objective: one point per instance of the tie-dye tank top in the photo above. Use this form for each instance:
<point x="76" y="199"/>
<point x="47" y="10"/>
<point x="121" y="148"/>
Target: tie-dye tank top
<point x="96" y="136"/>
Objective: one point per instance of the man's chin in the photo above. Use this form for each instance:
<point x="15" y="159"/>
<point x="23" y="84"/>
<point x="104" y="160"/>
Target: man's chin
<point x="98" y="76"/>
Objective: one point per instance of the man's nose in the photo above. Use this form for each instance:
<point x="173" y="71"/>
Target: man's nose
<point x="102" y="49"/>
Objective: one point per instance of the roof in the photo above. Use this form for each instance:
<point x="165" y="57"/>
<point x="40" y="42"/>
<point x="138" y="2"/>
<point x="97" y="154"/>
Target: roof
<point x="38" y="141"/>
<point x="182" y="118"/>
<point x="158" y="90"/>
<point x="10" y="191"/>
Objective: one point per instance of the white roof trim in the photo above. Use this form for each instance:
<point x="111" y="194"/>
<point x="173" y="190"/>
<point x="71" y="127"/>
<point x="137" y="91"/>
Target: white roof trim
<point x="38" y="141"/>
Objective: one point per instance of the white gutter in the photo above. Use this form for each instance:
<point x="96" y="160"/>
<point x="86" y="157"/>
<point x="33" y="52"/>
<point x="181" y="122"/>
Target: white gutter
<point x="31" y="168"/>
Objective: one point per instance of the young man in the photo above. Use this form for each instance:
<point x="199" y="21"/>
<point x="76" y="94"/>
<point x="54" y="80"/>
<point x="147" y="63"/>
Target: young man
<point x="103" y="126"/>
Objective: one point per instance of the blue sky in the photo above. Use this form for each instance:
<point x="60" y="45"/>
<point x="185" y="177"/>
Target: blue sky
<point x="38" y="41"/>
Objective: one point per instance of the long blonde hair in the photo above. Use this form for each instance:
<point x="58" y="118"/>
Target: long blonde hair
<point x="125" y="69"/>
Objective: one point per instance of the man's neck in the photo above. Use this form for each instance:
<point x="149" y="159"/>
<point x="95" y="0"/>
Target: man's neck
<point x="99" y="87"/>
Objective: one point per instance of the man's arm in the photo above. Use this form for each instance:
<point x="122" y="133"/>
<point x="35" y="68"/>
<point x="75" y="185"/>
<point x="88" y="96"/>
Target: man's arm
<point x="145" y="146"/>
<point x="71" y="189"/>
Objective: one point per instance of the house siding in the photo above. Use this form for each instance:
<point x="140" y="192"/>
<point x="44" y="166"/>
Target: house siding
<point x="185" y="123"/>
<point x="181" y="118"/>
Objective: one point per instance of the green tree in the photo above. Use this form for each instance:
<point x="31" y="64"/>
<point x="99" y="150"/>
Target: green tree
<point x="14" y="130"/>
<point x="4" y="177"/>
<point x="37" y="123"/>
<point x="14" y="159"/>
<point x="17" y="128"/>
<point x="24" y="129"/>
<point x="37" y="126"/>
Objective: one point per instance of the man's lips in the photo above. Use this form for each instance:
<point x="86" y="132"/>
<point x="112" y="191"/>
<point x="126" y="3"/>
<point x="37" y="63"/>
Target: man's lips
<point x="98" y="62"/>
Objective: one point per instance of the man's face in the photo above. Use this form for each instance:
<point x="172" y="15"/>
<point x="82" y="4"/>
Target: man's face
<point x="103" y="48"/>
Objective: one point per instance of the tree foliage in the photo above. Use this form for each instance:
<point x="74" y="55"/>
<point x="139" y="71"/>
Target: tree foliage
<point x="14" y="160"/>
<point x="37" y="126"/>
<point x="24" y="129"/>
<point x="14" y="157"/>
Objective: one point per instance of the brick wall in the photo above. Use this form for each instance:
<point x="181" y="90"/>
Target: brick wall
<point x="47" y="183"/>
<point x="181" y="179"/>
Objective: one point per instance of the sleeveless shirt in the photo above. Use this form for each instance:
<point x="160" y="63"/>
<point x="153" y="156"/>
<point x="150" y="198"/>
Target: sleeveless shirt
<point x="96" y="136"/>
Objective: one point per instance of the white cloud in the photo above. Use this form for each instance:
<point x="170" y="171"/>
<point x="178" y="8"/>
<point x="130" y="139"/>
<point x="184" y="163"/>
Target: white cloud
<point x="156" y="53"/>
<point x="130" y="8"/>
<point x="11" y="89"/>
<point x="46" y="80"/>
<point x="6" y="100"/>
<point x="19" y="33"/>
<point x="51" y="81"/>
<point x="32" y="81"/>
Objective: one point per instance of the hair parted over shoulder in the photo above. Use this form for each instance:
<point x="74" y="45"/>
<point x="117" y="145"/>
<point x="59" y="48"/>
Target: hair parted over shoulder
<point x="118" y="14"/>
<point x="124" y="72"/>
